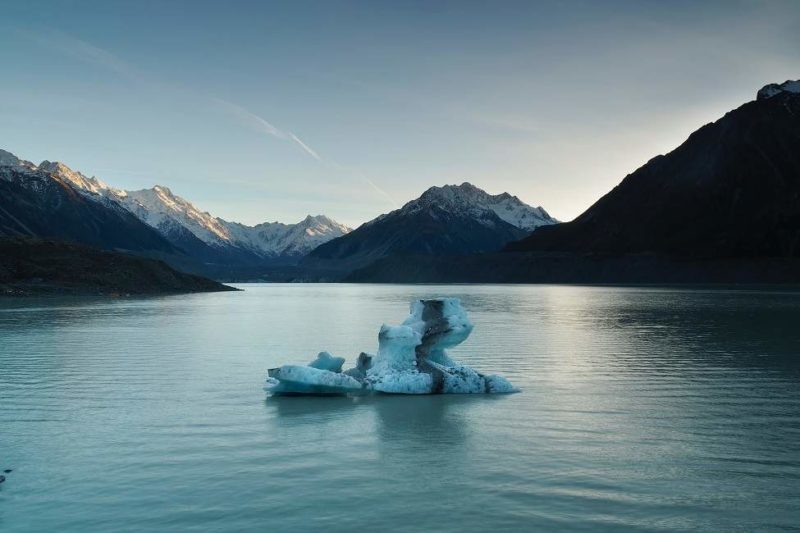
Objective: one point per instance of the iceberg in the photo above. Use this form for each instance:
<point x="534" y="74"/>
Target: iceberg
<point x="412" y="358"/>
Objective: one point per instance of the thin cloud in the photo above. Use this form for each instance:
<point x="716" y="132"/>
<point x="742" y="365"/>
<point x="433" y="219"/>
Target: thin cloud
<point x="380" y="191"/>
<point x="262" y="125"/>
<point x="252" y="120"/>
<point x="305" y="147"/>
<point x="83" y="51"/>
<point x="94" y="55"/>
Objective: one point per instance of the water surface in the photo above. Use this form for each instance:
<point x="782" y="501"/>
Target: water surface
<point x="642" y="409"/>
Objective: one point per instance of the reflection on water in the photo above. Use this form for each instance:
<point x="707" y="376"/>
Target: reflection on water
<point x="395" y="420"/>
<point x="642" y="408"/>
<point x="422" y="421"/>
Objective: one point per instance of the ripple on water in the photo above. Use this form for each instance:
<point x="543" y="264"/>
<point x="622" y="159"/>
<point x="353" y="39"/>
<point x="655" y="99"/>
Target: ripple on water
<point x="642" y="408"/>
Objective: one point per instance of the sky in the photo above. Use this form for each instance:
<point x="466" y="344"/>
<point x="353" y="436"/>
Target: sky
<point x="263" y="111"/>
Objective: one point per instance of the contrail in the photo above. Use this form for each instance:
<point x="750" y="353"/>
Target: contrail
<point x="89" y="53"/>
<point x="251" y="119"/>
<point x="265" y="126"/>
<point x="366" y="180"/>
<point x="392" y="201"/>
<point x="305" y="147"/>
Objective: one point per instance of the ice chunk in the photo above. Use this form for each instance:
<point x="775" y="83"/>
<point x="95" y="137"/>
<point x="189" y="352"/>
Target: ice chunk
<point x="401" y="382"/>
<point x="442" y="324"/>
<point x="308" y="380"/>
<point x="499" y="385"/>
<point x="396" y="349"/>
<point x="394" y="369"/>
<point x="461" y="379"/>
<point x="363" y="364"/>
<point x="411" y="359"/>
<point x="326" y="361"/>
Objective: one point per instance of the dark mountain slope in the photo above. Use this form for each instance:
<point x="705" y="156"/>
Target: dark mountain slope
<point x="37" y="204"/>
<point x="33" y="266"/>
<point x="444" y="220"/>
<point x="731" y="190"/>
<point x="431" y="232"/>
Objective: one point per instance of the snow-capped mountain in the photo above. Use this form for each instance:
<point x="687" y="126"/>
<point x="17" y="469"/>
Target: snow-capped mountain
<point x="7" y="159"/>
<point x="35" y="202"/>
<point x="774" y="89"/>
<point x="290" y="239"/>
<point x="76" y="179"/>
<point x="474" y="202"/>
<point x="454" y="219"/>
<point x="160" y="208"/>
<point x="182" y="223"/>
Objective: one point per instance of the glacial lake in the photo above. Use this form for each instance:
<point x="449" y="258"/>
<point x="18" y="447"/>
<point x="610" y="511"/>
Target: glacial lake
<point x="651" y="409"/>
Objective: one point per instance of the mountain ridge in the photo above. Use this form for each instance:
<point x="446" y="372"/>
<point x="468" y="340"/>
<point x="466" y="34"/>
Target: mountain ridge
<point x="443" y="220"/>
<point x="35" y="203"/>
<point x="732" y="189"/>
<point x="468" y="197"/>
<point x="188" y="227"/>
<point x="721" y="208"/>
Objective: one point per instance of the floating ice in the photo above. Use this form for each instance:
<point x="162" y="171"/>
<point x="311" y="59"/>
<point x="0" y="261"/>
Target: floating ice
<point x="411" y="359"/>
<point x="296" y="379"/>
<point x="326" y="361"/>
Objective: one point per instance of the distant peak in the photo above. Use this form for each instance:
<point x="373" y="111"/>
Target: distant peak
<point x="76" y="179"/>
<point x="7" y="159"/>
<point x="451" y="190"/>
<point x="318" y="218"/>
<point x="323" y="220"/>
<point x="773" y="89"/>
<point x="53" y="165"/>
<point x="465" y="186"/>
<point x="475" y="202"/>
<point x="165" y="196"/>
<point x="59" y="168"/>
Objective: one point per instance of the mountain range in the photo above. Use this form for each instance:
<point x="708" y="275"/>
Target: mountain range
<point x="180" y="221"/>
<point x="723" y="206"/>
<point x="37" y="203"/>
<point x="51" y="200"/>
<point x="454" y="219"/>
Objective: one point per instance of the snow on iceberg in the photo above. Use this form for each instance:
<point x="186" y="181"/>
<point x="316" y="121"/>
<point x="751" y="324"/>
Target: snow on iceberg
<point x="411" y="359"/>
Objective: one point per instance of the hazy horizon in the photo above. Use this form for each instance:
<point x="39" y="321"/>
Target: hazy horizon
<point x="260" y="112"/>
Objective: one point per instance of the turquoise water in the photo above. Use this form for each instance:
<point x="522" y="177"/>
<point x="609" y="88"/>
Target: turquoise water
<point x="642" y="409"/>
